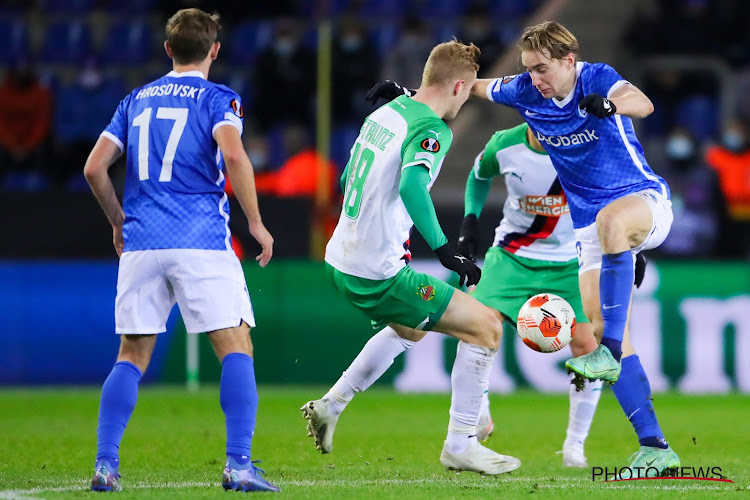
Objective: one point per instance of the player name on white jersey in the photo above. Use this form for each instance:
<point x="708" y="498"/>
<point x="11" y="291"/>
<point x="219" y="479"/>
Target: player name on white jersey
<point x="376" y="134"/>
<point x="568" y="140"/>
<point x="171" y="89"/>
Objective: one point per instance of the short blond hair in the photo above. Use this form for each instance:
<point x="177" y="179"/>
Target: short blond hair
<point x="450" y="61"/>
<point x="191" y="33"/>
<point x="551" y="38"/>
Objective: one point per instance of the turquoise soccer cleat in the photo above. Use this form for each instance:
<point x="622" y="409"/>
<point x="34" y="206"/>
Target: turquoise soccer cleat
<point x="245" y="477"/>
<point x="650" y="462"/>
<point x="106" y="477"/>
<point x="596" y="365"/>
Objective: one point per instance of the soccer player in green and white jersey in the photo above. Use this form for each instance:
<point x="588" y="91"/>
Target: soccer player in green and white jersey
<point x="393" y="164"/>
<point x="534" y="251"/>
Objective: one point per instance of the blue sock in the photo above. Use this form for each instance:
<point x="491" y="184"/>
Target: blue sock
<point x="633" y="392"/>
<point x="615" y="288"/>
<point x="239" y="400"/>
<point x="119" y="395"/>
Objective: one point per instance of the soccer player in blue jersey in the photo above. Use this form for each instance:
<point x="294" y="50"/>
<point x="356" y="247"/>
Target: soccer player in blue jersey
<point x="172" y="235"/>
<point x="581" y="113"/>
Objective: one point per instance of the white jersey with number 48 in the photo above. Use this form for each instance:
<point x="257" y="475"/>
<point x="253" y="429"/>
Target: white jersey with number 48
<point x="371" y="239"/>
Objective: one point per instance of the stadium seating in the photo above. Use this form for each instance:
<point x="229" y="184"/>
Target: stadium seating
<point x="700" y="115"/>
<point x="129" y="42"/>
<point x="130" y="6"/>
<point x="66" y="42"/>
<point x="67" y="6"/>
<point x="247" y="39"/>
<point x="342" y="139"/>
<point x="14" y="40"/>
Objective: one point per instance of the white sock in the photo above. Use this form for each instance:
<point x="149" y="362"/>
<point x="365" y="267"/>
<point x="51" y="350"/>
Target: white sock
<point x="582" y="408"/>
<point x="485" y="405"/>
<point x="370" y="364"/>
<point x="470" y="380"/>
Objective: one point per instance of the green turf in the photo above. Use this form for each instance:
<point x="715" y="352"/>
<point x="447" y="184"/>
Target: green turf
<point x="386" y="446"/>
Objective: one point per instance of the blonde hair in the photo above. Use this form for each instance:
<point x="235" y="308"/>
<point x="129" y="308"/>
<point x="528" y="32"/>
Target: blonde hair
<point x="549" y="37"/>
<point x="191" y="33"/>
<point x="449" y="61"/>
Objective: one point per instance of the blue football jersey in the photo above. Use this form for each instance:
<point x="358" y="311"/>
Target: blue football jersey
<point x="597" y="160"/>
<point x="174" y="187"/>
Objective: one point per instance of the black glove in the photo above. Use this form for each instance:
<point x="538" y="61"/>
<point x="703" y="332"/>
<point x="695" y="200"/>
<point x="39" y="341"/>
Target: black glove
<point x="463" y="266"/>
<point x="599" y="106"/>
<point x="388" y="90"/>
<point x="468" y="239"/>
<point x="640" y="269"/>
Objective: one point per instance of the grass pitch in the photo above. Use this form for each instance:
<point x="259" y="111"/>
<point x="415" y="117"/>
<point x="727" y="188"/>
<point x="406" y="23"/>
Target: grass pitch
<point x="386" y="445"/>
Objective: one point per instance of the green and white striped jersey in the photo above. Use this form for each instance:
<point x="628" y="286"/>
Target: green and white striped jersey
<point x="371" y="239"/>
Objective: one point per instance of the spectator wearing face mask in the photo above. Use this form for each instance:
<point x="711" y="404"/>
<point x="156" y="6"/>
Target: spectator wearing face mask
<point x="731" y="161"/>
<point x="25" y="115"/>
<point x="354" y="62"/>
<point x="404" y="62"/>
<point x="285" y="79"/>
<point x="697" y="200"/>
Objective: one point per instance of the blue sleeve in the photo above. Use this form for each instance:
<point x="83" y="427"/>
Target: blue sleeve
<point x="505" y="90"/>
<point x="117" y="130"/>
<point x="225" y="108"/>
<point x="601" y="79"/>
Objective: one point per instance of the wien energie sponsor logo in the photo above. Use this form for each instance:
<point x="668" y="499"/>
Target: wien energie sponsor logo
<point x="557" y="141"/>
<point x="549" y="205"/>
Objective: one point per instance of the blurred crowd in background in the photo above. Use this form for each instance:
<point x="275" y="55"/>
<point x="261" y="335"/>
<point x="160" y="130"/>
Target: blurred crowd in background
<point x="67" y="63"/>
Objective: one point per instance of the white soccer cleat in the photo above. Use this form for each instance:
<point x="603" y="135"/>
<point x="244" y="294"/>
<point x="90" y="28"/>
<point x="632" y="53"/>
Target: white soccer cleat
<point x="320" y="423"/>
<point x="485" y="427"/>
<point x="573" y="455"/>
<point x="477" y="458"/>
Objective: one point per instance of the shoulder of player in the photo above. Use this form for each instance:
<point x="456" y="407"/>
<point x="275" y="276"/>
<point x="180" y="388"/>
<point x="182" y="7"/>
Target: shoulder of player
<point x="219" y="89"/>
<point x="503" y="139"/>
<point x="430" y="125"/>
<point x="590" y="70"/>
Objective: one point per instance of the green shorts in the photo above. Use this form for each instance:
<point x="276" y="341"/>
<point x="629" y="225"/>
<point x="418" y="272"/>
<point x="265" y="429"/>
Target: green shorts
<point x="410" y="298"/>
<point x="509" y="280"/>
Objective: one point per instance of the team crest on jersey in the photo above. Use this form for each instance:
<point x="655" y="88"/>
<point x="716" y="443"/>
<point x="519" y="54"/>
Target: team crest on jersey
<point x="427" y="292"/>
<point x="237" y="108"/>
<point x="431" y="145"/>
<point x="582" y="112"/>
<point x="509" y="78"/>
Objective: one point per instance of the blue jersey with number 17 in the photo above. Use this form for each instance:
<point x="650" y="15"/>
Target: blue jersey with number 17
<point x="597" y="160"/>
<point x="174" y="187"/>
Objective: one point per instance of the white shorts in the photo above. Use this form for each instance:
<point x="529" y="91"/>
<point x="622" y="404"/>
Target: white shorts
<point x="587" y="239"/>
<point x="208" y="285"/>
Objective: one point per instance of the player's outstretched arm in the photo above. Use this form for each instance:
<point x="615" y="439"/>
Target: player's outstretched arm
<point x="102" y="156"/>
<point x="627" y="100"/>
<point x="479" y="89"/>
<point x="240" y="172"/>
<point x="632" y="102"/>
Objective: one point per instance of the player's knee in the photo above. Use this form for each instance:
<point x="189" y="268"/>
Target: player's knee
<point x="608" y="225"/>
<point x="493" y="330"/>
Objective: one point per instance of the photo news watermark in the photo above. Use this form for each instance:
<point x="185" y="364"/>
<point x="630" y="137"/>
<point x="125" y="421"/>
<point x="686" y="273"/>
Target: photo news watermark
<point x="614" y="474"/>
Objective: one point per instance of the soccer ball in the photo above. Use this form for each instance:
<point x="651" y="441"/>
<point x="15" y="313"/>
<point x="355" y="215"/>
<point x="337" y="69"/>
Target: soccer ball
<point x="546" y="322"/>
